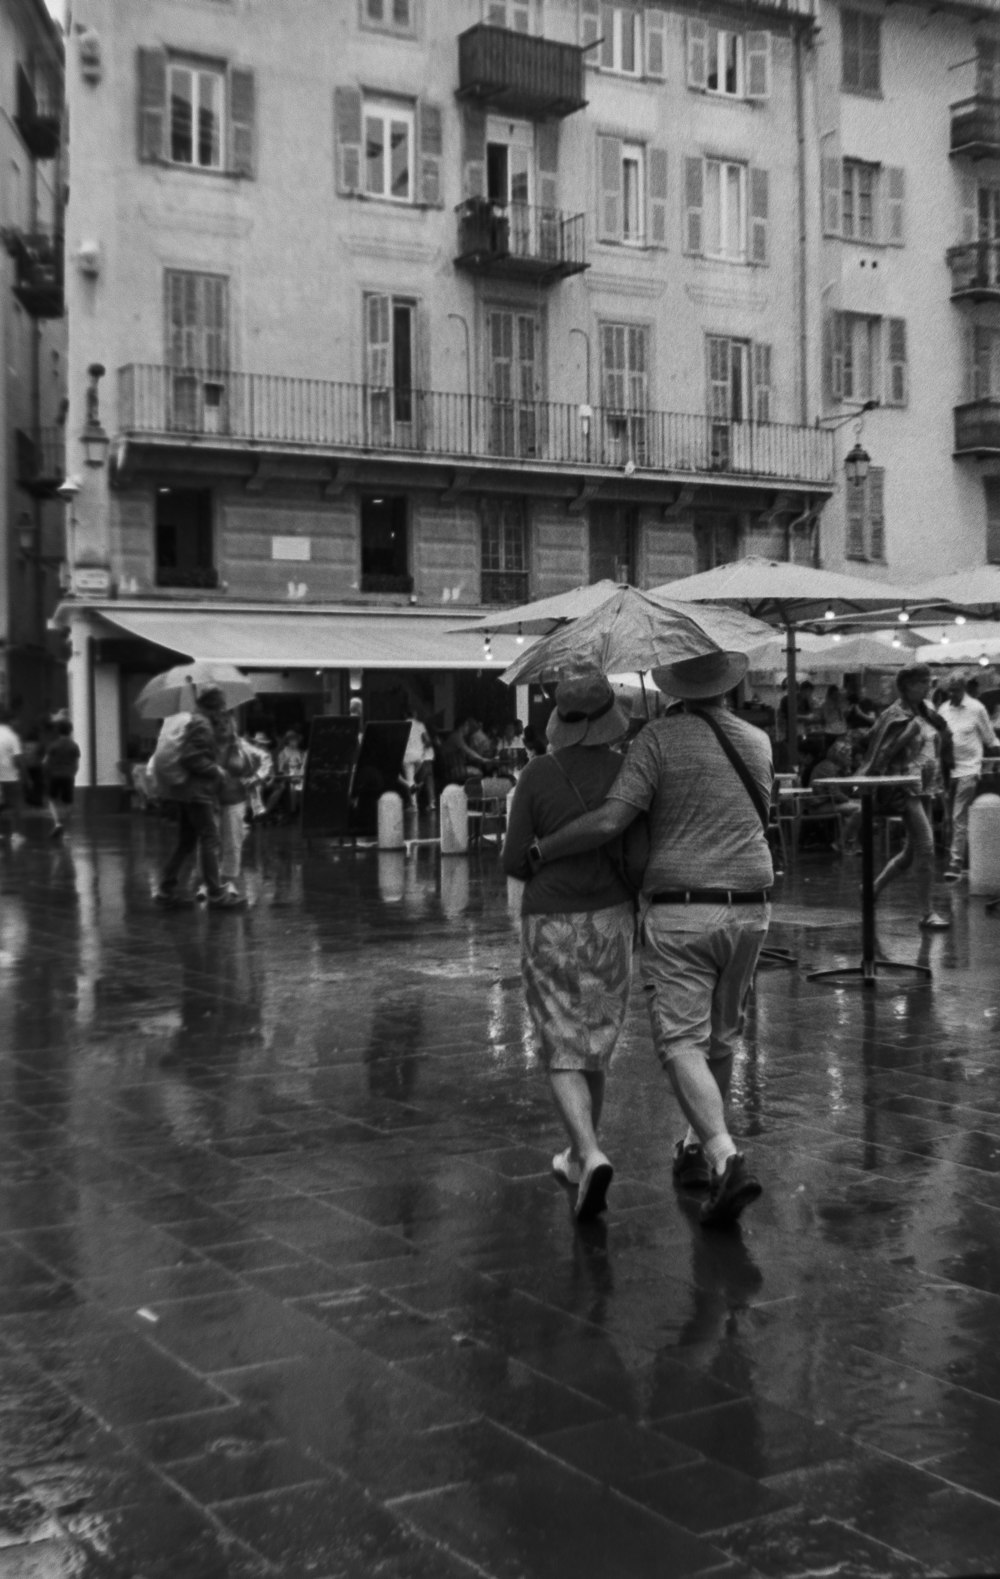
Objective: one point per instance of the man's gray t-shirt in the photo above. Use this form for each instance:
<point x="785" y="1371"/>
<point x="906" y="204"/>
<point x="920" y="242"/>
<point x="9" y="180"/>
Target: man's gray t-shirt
<point x="705" y="831"/>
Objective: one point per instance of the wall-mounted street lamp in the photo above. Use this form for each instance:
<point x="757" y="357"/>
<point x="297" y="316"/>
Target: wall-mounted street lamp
<point x="94" y="439"/>
<point x="857" y="461"/>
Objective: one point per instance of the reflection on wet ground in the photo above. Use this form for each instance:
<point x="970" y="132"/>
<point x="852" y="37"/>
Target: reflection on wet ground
<point x="287" y="1287"/>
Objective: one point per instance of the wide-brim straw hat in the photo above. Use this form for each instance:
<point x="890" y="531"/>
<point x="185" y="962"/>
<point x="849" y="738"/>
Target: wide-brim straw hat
<point x="698" y="679"/>
<point x="586" y="714"/>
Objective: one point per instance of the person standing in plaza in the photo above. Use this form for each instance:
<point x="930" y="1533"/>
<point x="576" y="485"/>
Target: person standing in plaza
<point x="577" y="926"/>
<point x="972" y="734"/>
<point x="704" y="776"/>
<point x="197" y="803"/>
<point x="62" y="762"/>
<point x="11" y="780"/>
<point x="243" y="764"/>
<point x="910" y="738"/>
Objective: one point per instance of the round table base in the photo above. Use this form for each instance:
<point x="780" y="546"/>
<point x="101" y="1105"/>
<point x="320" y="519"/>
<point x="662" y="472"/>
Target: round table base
<point x="868" y="972"/>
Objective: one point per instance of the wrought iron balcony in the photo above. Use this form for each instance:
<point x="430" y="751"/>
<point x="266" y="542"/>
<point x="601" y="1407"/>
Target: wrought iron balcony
<point x="39" y="283"/>
<point x="975" y="271"/>
<point x="977" y="427"/>
<point x="263" y="411"/>
<point x="41" y="460"/>
<point x="38" y="120"/>
<point x="519" y="241"/>
<point x="975" y="127"/>
<point x="518" y="74"/>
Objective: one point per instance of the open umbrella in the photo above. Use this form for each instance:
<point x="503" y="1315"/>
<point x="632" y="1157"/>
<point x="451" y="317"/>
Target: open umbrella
<point x="630" y="631"/>
<point x="731" y="628"/>
<point x="968" y="589"/>
<point x="786" y="594"/>
<point x="174" y="690"/>
<point x="961" y="652"/>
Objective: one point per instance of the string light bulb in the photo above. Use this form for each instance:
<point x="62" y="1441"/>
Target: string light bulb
<point x="984" y="662"/>
<point x="830" y="614"/>
<point x="837" y="636"/>
<point x="487" y="646"/>
<point x="520" y="636"/>
<point x="959" y="619"/>
<point x="903" y="617"/>
<point x="896" y="642"/>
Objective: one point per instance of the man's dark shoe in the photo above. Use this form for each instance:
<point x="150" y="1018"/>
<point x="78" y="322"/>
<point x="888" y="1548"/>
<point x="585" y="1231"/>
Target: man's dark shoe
<point x="690" y="1166"/>
<point x="731" y="1190"/>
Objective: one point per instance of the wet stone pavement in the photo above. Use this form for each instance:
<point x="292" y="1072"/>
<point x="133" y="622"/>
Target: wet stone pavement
<point x="286" y="1287"/>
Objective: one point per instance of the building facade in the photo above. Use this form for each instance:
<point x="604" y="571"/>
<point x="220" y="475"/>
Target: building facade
<point x="908" y="204"/>
<point x="33" y="341"/>
<point x="409" y="310"/>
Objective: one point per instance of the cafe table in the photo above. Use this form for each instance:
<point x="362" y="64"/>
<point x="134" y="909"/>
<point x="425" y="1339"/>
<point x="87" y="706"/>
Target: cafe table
<point x="872" y="966"/>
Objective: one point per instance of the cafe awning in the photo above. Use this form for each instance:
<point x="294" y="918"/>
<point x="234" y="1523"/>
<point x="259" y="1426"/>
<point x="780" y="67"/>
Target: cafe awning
<point x="308" y="639"/>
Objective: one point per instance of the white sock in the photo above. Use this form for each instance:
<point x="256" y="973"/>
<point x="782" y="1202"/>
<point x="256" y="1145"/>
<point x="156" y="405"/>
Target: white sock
<point x="718" y="1150"/>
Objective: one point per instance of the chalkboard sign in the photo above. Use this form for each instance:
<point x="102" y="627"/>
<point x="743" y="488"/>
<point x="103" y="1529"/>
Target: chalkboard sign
<point x="326" y="788"/>
<point x="379" y="768"/>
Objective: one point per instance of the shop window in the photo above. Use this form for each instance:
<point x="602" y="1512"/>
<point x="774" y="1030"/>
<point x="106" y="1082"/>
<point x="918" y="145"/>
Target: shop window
<point x="184" y="540"/>
<point x="384" y="545"/>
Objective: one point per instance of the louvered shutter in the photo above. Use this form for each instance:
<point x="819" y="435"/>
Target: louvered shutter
<point x="215" y="322"/>
<point x="242" y="117"/>
<point x="473" y="152"/>
<point x="694" y="205"/>
<point x="430" y="124"/>
<point x="970" y="208"/>
<point x="590" y="28"/>
<point x="697" y="53"/>
<point x="835" y="355"/>
<point x="758" y="211"/>
<point x="378" y="344"/>
<point x="762" y="383"/>
<point x="611" y="184"/>
<point x="876" y="512"/>
<point x="655" y="23"/>
<point x="896" y="381"/>
<point x="347" y="119"/>
<point x="758" y="53"/>
<point x="656" y="174"/>
<point x="638" y="375"/>
<point x="719" y="377"/>
<point x="547" y="161"/>
<point x="613" y="366"/>
<point x="894" y="179"/>
<point x="833" y="178"/>
<point x="854" y="503"/>
<point x="152" y="105"/>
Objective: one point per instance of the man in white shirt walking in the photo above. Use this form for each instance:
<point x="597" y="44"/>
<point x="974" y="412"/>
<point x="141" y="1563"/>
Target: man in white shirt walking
<point x="971" y="731"/>
<point x="11" y="778"/>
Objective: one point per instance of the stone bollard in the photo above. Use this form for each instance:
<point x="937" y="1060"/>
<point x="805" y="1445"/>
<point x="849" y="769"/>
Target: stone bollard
<point x="391" y="876"/>
<point x="390" y="822"/>
<point x="454" y="887"/>
<point x="984" y="845"/>
<point x="454" y="821"/>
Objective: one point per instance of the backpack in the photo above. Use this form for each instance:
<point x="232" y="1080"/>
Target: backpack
<point x="165" y="768"/>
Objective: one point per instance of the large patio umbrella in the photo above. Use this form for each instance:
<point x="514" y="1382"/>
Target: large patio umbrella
<point x="785" y="595"/>
<point x="961" y="652"/>
<point x="821" y="654"/>
<point x="629" y="632"/>
<point x="978" y="588"/>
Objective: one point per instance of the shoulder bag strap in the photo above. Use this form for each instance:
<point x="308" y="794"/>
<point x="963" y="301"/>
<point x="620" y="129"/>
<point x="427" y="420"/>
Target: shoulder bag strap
<point x="569" y="781"/>
<point x="753" y="790"/>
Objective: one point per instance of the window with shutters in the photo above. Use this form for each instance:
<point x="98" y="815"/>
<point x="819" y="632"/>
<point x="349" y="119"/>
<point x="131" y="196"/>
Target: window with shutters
<point x="516" y="16"/>
<point x="632" y="193"/>
<point x="867" y="359"/>
<point x="503" y="551"/>
<point x="625" y="392"/>
<point x="861" y="52"/>
<point x="621" y="40"/>
<point x="864" y="504"/>
<point x="983" y="364"/>
<point x="725" y="210"/>
<point x="870" y="202"/>
<point x="197" y="343"/>
<point x="195" y="114"/>
<point x="513" y="374"/>
<point x="390" y="16"/>
<point x="390" y="357"/>
<point x="728" y="63"/>
<point x="858" y="200"/>
<point x="388" y="154"/>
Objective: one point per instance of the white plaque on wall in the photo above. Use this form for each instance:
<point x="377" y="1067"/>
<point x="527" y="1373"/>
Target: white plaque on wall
<point x="291" y="548"/>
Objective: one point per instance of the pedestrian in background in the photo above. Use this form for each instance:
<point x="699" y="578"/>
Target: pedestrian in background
<point x="972" y="735"/>
<point x="577" y="925"/>
<point x="11" y="780"/>
<point x="62" y="763"/>
<point x="197" y="803"/>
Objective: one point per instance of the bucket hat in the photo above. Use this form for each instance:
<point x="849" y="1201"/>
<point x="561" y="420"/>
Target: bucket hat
<point x="586" y="713"/>
<point x="697" y="679"/>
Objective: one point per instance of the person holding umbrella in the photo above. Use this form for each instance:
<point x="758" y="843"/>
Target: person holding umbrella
<point x="196" y="795"/>
<point x="577" y="925"/>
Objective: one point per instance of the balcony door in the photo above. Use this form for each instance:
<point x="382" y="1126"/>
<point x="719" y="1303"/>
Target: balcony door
<point x="729" y="395"/>
<point x="510" y="181"/>
<point x="197" y="337"/>
<point x="390" y="358"/>
<point x="625" y="393"/>
<point x="512" y="345"/>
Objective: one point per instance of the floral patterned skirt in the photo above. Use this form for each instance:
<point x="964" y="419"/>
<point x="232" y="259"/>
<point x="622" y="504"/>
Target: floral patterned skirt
<point x="577" y="972"/>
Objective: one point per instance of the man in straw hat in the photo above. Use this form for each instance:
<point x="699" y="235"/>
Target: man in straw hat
<point x="705" y="901"/>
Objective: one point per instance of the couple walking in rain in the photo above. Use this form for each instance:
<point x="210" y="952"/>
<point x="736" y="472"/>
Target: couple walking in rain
<point x="701" y="778"/>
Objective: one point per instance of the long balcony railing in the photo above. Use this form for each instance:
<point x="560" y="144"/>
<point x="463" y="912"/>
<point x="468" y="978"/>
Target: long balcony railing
<point x="519" y="240"/>
<point x="975" y="127"/>
<point x="977" y="427"/>
<point x="262" y="409"/>
<point x="975" y="271"/>
<point x="518" y="74"/>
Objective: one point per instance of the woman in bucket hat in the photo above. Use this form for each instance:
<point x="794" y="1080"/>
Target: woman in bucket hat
<point x="577" y="925"/>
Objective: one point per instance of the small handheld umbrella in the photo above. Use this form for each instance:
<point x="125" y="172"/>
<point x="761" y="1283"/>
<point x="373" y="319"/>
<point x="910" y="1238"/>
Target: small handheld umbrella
<point x="174" y="690"/>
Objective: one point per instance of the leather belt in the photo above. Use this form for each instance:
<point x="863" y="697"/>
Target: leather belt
<point x="711" y="896"/>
